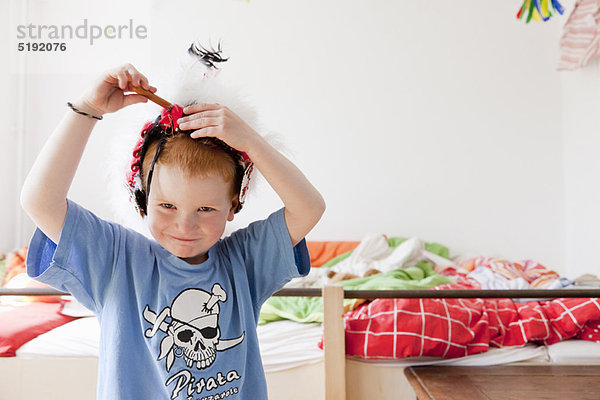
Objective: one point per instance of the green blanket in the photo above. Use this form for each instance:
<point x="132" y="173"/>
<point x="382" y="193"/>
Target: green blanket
<point x="310" y="309"/>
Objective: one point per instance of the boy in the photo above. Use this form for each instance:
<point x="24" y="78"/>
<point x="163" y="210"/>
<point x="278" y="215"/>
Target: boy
<point x="178" y="315"/>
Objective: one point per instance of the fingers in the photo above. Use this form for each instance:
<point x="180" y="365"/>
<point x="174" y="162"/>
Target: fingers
<point x="210" y="131"/>
<point x="130" y="99"/>
<point x="128" y="76"/>
<point x="194" y="108"/>
<point x="123" y="79"/>
<point x="199" y="115"/>
<point x="199" y="122"/>
<point x="207" y="119"/>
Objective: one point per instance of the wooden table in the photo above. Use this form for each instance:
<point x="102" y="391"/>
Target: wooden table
<point x="506" y="382"/>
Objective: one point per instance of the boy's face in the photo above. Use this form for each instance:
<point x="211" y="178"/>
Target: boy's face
<point x="187" y="216"/>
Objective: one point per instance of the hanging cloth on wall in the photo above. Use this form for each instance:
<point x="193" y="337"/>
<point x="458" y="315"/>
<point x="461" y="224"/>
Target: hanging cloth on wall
<point x="539" y="10"/>
<point x="580" y="41"/>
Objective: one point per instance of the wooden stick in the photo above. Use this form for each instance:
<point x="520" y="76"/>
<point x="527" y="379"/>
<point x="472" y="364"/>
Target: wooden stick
<point x="334" y="345"/>
<point x="152" y="97"/>
<point x="32" y="292"/>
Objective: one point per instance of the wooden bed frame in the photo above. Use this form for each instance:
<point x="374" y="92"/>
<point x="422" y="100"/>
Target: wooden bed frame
<point x="336" y="378"/>
<point x="75" y="379"/>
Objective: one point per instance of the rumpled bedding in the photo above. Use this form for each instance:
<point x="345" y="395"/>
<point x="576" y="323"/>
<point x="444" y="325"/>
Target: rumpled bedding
<point x="404" y="264"/>
<point x="448" y="328"/>
<point x="310" y="309"/>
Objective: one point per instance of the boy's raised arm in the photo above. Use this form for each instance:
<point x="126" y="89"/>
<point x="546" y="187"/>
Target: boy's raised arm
<point x="44" y="192"/>
<point x="304" y="205"/>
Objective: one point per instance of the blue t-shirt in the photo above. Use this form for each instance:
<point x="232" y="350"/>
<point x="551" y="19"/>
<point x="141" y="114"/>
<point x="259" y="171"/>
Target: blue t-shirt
<point x="171" y="330"/>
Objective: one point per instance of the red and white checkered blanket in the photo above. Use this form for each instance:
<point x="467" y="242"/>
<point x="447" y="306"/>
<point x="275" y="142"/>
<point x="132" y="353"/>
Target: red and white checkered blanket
<point x="398" y="328"/>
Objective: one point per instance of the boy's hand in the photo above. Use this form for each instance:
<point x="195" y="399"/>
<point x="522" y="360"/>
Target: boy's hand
<point x="107" y="95"/>
<point x="215" y="120"/>
<point x="303" y="203"/>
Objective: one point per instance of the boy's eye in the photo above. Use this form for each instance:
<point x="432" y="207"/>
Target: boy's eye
<point x="205" y="209"/>
<point x="167" y="205"/>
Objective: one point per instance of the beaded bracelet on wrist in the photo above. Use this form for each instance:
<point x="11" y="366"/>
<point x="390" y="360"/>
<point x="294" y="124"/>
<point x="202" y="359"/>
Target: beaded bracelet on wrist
<point x="82" y="113"/>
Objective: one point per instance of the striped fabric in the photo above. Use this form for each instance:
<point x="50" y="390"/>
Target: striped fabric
<point x="538" y="276"/>
<point x="580" y="41"/>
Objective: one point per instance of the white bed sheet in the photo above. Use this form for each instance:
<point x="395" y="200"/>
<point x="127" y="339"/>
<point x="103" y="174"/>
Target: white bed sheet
<point x="288" y="344"/>
<point x="494" y="356"/>
<point x="283" y="344"/>
<point x="78" y="338"/>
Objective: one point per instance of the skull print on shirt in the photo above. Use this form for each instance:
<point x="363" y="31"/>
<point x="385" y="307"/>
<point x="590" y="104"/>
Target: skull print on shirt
<point x="192" y="331"/>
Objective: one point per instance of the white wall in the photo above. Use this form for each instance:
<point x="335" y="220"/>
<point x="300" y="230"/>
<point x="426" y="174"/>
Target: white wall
<point x="581" y="104"/>
<point x="8" y="148"/>
<point x="433" y="119"/>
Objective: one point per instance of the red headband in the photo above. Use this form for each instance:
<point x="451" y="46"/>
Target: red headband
<point x="168" y="122"/>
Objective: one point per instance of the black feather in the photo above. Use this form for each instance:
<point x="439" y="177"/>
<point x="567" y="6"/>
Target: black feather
<point x="208" y="57"/>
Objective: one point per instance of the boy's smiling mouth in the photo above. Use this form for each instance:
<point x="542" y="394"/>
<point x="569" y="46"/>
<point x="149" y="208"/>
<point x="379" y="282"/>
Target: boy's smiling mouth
<point x="183" y="239"/>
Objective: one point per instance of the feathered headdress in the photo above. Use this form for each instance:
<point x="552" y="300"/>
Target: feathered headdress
<point x="197" y="84"/>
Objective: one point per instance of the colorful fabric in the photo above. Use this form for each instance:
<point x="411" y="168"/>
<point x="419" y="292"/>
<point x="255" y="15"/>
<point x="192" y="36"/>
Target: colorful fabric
<point x="539" y="10"/>
<point x="449" y="328"/>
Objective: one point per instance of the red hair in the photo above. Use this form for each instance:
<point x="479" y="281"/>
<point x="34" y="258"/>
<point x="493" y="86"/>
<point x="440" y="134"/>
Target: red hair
<point x="196" y="158"/>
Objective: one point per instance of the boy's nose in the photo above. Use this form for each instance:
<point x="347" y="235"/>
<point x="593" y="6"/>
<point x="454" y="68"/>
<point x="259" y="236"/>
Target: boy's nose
<point x="188" y="223"/>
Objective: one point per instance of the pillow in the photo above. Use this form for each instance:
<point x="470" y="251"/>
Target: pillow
<point x="575" y="351"/>
<point x="322" y="252"/>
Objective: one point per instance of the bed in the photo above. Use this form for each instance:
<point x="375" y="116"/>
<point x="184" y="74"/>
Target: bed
<point x="348" y="368"/>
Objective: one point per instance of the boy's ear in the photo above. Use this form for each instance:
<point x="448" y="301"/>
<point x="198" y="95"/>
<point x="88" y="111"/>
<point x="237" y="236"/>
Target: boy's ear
<point x="234" y="206"/>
